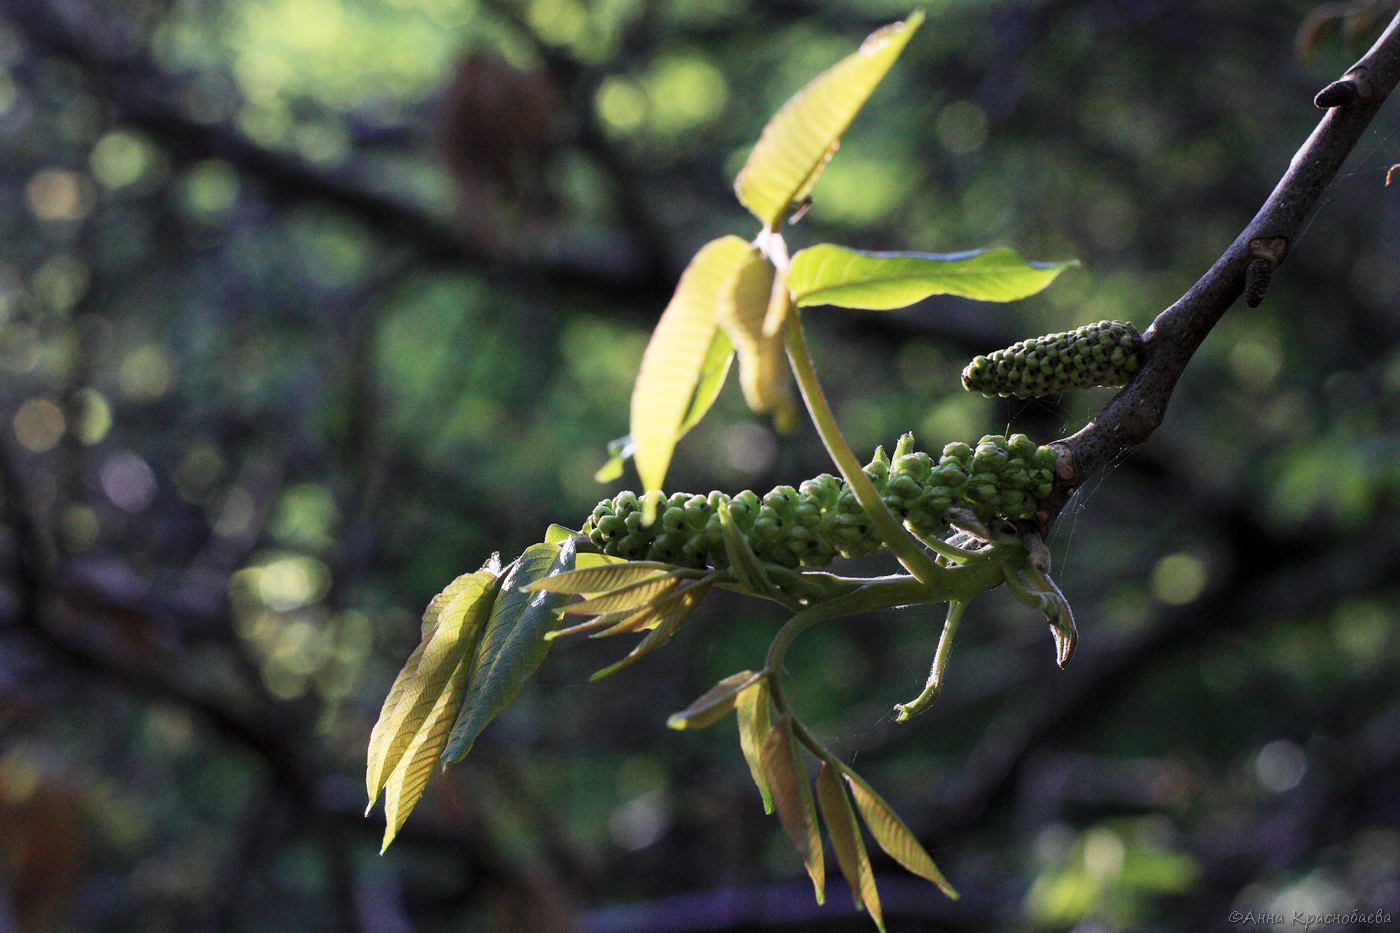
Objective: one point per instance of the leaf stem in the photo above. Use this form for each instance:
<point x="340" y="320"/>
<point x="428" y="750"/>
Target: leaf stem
<point x="906" y="548"/>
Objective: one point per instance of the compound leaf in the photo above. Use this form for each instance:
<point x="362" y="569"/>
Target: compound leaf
<point x="417" y="713"/>
<point x="892" y="835"/>
<point x="678" y="357"/>
<point x="844" y="831"/>
<point x="512" y="645"/>
<point x="669" y="616"/>
<point x="751" y="709"/>
<point x="713" y="704"/>
<point x="800" y="139"/>
<point x="792" y="796"/>
<point x="629" y="596"/>
<point x="600" y="579"/>
<point x="826" y="274"/>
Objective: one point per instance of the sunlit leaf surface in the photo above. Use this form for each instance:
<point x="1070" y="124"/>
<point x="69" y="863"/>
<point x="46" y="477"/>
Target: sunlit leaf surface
<point x="802" y="136"/>
<point x="678" y="357"/>
<point x="833" y="275"/>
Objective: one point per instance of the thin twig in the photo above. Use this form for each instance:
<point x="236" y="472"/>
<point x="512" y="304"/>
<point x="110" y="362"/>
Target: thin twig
<point x="1169" y="344"/>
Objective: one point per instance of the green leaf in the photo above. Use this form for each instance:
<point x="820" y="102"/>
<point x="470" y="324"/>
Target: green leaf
<point x="741" y="311"/>
<point x="620" y="450"/>
<point x="600" y="579"/>
<point x="417" y="713"/>
<point x="751" y="709"/>
<point x="676" y="358"/>
<point x="800" y="138"/>
<point x="833" y="275"/>
<point x="512" y="645"/>
<point x="792" y="796"/>
<point x="557" y="534"/>
<point x="844" y="831"/>
<point x="713" y="704"/>
<point x="672" y="613"/>
<point x="892" y="835"/>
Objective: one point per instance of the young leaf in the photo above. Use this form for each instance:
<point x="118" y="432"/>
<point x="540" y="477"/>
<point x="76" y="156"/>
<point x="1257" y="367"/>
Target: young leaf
<point x="713" y="704"/>
<point x="427" y="670"/>
<point x="844" y="831"/>
<point x="677" y="356"/>
<point x="741" y="311"/>
<point x="626" y="597"/>
<point x="713" y="369"/>
<point x="833" y="275"/>
<point x="620" y="450"/>
<point x="406" y="782"/>
<point x="672" y="613"/>
<point x="751" y="709"/>
<point x="556" y="533"/>
<point x="600" y="579"/>
<point x="792" y="795"/>
<point x="512" y="645"/>
<point x="800" y="138"/>
<point x="417" y="714"/>
<point x="892" y="835"/>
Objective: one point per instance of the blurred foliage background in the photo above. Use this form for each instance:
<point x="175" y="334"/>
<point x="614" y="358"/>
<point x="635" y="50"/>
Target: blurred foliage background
<point x="307" y="306"/>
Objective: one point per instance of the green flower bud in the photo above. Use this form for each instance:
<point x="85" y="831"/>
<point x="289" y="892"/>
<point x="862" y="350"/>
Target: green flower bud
<point x="1102" y="354"/>
<point x="810" y="525"/>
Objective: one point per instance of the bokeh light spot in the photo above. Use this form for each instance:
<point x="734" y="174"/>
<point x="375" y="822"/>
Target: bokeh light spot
<point x="128" y="481"/>
<point x="147" y="373"/>
<point x="1280" y="766"/>
<point x="39" y="425"/>
<point x="59" y="195"/>
<point x="120" y="159"/>
<point x="621" y="104"/>
<point x="1178" y="579"/>
<point x="92" y="420"/>
<point x="961" y="127"/>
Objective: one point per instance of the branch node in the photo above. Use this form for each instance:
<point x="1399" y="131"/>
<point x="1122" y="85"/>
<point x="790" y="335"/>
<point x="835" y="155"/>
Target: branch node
<point x="1265" y="253"/>
<point x="1350" y="88"/>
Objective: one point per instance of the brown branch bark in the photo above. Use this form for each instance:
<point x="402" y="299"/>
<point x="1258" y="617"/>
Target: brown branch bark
<point x="1244" y="268"/>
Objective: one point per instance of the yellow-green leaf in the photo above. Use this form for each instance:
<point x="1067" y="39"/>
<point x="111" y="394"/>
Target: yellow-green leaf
<point x="799" y="140"/>
<point x="741" y="311"/>
<point x="844" y="831"/>
<point x="826" y="274"/>
<point x="712" y="372"/>
<point x="413" y="722"/>
<point x="751" y="709"/>
<point x="672" y="614"/>
<point x="626" y="597"/>
<point x="600" y="579"/>
<point x="713" y="704"/>
<point x="677" y="357"/>
<point x="892" y="835"/>
<point x="512" y="645"/>
<point x="406" y="782"/>
<point x="792" y="796"/>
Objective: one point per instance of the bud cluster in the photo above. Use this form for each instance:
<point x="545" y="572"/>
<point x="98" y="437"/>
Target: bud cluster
<point x="1102" y="354"/>
<point x="821" y="518"/>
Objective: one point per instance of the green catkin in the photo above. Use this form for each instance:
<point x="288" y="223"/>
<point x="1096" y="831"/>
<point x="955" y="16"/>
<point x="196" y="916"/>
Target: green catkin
<point x="812" y="524"/>
<point x="1104" y="354"/>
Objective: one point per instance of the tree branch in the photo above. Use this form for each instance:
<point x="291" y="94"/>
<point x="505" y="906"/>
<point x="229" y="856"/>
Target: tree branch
<point x="1244" y="268"/>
